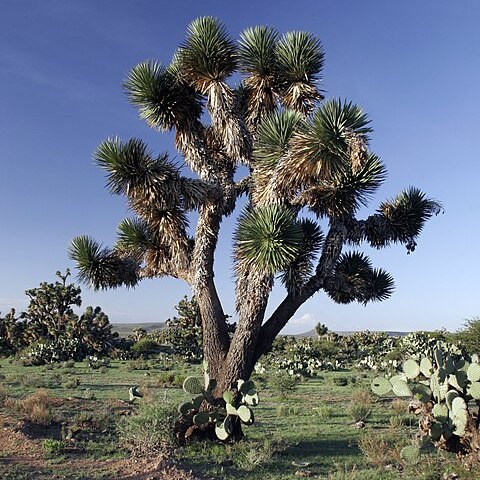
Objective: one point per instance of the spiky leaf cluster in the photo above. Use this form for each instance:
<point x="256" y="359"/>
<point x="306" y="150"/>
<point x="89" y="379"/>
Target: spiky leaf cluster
<point x="267" y="239"/>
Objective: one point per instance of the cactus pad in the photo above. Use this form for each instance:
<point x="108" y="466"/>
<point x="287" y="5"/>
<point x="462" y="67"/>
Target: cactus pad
<point x="184" y="408"/>
<point x="201" y="418"/>
<point x="473" y="372"/>
<point x="244" y="387"/>
<point x="228" y="397"/>
<point x="438" y="357"/>
<point x="245" y="414"/>
<point x="440" y="412"/>
<point x="381" y="386"/>
<point x="435" y="431"/>
<point x="251" y="398"/>
<point x="426" y="367"/>
<point x="422" y="392"/>
<point x="192" y="385"/>
<point x="411" y="369"/>
<point x="224" y="429"/>
<point x="474" y="390"/>
<point x="401" y="389"/>
<point x="449" y="397"/>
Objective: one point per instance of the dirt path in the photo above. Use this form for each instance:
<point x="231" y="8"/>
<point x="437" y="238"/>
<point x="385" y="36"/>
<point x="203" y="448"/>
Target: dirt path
<point x="23" y="458"/>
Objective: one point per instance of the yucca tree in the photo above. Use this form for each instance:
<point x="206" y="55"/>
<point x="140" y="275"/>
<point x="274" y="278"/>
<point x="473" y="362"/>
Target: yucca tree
<point x="303" y="161"/>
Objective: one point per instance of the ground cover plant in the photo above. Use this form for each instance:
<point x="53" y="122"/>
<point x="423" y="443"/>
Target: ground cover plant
<point x="310" y="430"/>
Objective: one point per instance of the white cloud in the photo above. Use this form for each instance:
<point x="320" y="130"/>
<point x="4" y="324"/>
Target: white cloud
<point x="300" y="324"/>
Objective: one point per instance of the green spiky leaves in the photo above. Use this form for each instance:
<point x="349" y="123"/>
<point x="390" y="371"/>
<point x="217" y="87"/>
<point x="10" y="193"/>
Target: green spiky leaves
<point x="267" y="238"/>
<point x="356" y="280"/>
<point x="101" y="267"/>
<point x="300" y="59"/>
<point x="299" y="271"/>
<point x="256" y="51"/>
<point x="300" y="56"/>
<point x="401" y="219"/>
<point x="323" y="148"/>
<point x="131" y="169"/>
<point x="163" y="100"/>
<point x="208" y="55"/>
<point x="273" y="137"/>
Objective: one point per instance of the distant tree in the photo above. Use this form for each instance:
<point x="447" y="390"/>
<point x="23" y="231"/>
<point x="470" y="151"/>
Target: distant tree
<point x="470" y="335"/>
<point x="301" y="160"/>
<point x="11" y="334"/>
<point x="49" y="325"/>
<point x="321" y="329"/>
<point x="51" y="308"/>
<point x="138" y="333"/>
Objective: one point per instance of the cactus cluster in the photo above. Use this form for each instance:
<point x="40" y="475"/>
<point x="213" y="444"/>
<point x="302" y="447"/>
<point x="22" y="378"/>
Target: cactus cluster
<point x="235" y="405"/>
<point x="446" y="388"/>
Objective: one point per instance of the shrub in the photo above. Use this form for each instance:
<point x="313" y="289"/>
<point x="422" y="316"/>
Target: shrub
<point x="284" y="384"/>
<point x="35" y="408"/>
<point x="397" y="421"/>
<point x="360" y="412"/>
<point x="340" y="381"/>
<point x="380" y="449"/>
<point x="324" y="412"/>
<point x="151" y="429"/>
<point x="53" y="447"/>
<point x="145" y="347"/>
<point x="71" y="383"/>
<point x="470" y="335"/>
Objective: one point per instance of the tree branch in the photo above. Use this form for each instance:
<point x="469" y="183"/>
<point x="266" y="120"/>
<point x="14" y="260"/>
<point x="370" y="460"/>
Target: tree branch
<point x="331" y="252"/>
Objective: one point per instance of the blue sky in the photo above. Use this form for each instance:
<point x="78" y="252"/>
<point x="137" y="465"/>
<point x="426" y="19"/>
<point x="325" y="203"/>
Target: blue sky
<point x="413" y="66"/>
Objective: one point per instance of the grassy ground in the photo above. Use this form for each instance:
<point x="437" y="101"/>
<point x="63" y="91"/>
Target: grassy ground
<point x="309" y="431"/>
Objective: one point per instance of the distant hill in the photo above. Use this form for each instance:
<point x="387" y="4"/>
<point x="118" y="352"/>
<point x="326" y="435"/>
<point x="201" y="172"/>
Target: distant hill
<point x="126" y="329"/>
<point x="312" y="333"/>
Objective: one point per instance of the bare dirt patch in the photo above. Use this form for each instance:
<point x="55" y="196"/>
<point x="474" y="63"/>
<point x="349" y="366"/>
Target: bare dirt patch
<point x="22" y="457"/>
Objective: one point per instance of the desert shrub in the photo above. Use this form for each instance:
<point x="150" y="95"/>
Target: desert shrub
<point x="360" y="412"/>
<point x="283" y="383"/>
<point x="151" y="429"/>
<point x="285" y="410"/>
<point x="52" y="447"/>
<point x="35" y="408"/>
<point x="252" y="455"/>
<point x="399" y="406"/>
<point x="324" y="412"/>
<point x="340" y="381"/>
<point x="363" y="397"/>
<point x="71" y="383"/>
<point x="397" y="421"/>
<point x="138" y="364"/>
<point x="145" y="347"/>
<point x="95" y="363"/>
<point x="470" y="335"/>
<point x="381" y="448"/>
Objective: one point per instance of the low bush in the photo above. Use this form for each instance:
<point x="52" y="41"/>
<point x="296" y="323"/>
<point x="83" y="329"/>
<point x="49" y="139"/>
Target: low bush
<point x="283" y="383"/>
<point x="324" y="412"/>
<point x="53" y="448"/>
<point x="35" y="408"/>
<point x="145" y="347"/>
<point x="151" y="429"/>
<point x="360" y="412"/>
<point x="381" y="449"/>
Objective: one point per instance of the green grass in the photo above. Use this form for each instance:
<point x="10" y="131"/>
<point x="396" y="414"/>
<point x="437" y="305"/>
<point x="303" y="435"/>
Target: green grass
<point x="288" y="429"/>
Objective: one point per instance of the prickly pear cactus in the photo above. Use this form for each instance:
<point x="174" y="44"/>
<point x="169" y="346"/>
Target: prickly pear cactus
<point x="221" y="413"/>
<point x="445" y="391"/>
